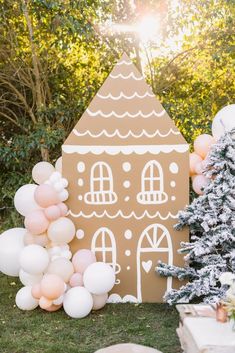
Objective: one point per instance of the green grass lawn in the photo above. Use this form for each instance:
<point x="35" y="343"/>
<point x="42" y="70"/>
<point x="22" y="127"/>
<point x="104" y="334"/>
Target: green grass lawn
<point x="38" y="331"/>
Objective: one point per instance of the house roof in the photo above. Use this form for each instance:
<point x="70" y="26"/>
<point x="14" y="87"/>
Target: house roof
<point x="125" y="112"/>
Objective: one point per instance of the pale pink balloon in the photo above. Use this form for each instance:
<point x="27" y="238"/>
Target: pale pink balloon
<point x="63" y="209"/>
<point x="202" y="144"/>
<point x="52" y="212"/>
<point x="36" y="222"/>
<point x="199" y="182"/>
<point x="82" y="259"/>
<point x="40" y="239"/>
<point x="194" y="158"/>
<point x="200" y="167"/>
<point x="36" y="291"/>
<point x="52" y="286"/>
<point x="45" y="303"/>
<point x="76" y="280"/>
<point x="53" y="308"/>
<point x="99" y="301"/>
<point x="45" y="196"/>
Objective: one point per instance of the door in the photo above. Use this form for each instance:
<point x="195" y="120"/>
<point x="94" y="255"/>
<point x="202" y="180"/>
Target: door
<point x="154" y="244"/>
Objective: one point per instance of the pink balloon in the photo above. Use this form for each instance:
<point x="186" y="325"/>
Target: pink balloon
<point x="199" y="167"/>
<point x="76" y="280"/>
<point x="53" y="308"/>
<point x="202" y="144"/>
<point x="99" y="301"/>
<point x="194" y="159"/>
<point x="63" y="209"/>
<point x="45" y="196"/>
<point x="36" y="222"/>
<point x="82" y="259"/>
<point x="199" y="182"/>
<point x="52" y="286"/>
<point x="52" y="212"/>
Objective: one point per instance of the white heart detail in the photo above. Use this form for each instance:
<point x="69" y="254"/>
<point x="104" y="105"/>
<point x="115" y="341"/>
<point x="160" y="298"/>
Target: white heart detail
<point x="147" y="265"/>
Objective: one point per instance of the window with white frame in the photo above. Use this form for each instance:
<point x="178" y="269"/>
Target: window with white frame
<point x="152" y="184"/>
<point x="104" y="246"/>
<point x="101" y="185"/>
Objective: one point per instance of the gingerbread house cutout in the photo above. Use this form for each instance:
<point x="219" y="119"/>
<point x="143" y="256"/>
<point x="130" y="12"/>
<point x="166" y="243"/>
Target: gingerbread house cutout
<point x="127" y="167"/>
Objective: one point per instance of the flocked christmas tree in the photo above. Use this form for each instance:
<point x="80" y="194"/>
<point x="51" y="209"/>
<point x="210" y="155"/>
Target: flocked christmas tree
<point x="211" y="220"/>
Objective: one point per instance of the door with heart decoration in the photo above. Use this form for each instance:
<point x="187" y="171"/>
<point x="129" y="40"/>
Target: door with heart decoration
<point x="154" y="244"/>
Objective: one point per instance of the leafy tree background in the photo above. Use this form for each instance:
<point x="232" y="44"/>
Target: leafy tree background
<point x="54" y="55"/>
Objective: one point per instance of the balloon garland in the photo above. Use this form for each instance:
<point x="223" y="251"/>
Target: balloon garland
<point x="40" y="254"/>
<point x="223" y="121"/>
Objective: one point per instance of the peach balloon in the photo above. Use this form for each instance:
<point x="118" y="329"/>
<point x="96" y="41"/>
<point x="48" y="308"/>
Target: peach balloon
<point x="52" y="212"/>
<point x="194" y="158"/>
<point x="36" y="222"/>
<point x="40" y="239"/>
<point x="63" y="209"/>
<point x="199" y="182"/>
<point x="36" y="291"/>
<point x="99" y="301"/>
<point x="76" y="280"/>
<point x="202" y="144"/>
<point x="61" y="267"/>
<point x="45" y="196"/>
<point x="82" y="259"/>
<point x="53" y="308"/>
<point x="52" y="286"/>
<point x="45" y="303"/>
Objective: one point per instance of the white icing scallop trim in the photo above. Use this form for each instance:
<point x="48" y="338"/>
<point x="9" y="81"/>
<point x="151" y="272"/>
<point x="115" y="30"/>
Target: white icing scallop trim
<point x="122" y="95"/>
<point x="126" y="150"/>
<point x="126" y="114"/>
<point x="115" y="298"/>
<point x="122" y="215"/>
<point x="131" y="75"/>
<point x="130" y="133"/>
<point x="124" y="62"/>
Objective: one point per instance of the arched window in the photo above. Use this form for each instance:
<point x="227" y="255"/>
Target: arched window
<point x="101" y="185"/>
<point x="152" y="185"/>
<point x="104" y="246"/>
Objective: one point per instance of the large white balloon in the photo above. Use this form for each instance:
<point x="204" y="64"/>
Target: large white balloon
<point x="27" y="279"/>
<point x="25" y="300"/>
<point x="42" y="171"/>
<point x="34" y="259"/>
<point x="78" y="302"/>
<point x="61" y="231"/>
<point x="11" y="245"/>
<point x="24" y="199"/>
<point x="99" y="278"/>
<point x="223" y="121"/>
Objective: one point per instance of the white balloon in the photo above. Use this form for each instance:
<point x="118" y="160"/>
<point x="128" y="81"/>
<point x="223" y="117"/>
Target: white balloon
<point x="56" y="176"/>
<point x="25" y="300"/>
<point x="223" y="121"/>
<point x="78" y="302"/>
<point x="24" y="199"/>
<point x="34" y="259"/>
<point x="99" y="278"/>
<point x="27" y="279"/>
<point x="58" y="165"/>
<point x="11" y="245"/>
<point x="63" y="195"/>
<point x="59" y="300"/>
<point x="42" y="171"/>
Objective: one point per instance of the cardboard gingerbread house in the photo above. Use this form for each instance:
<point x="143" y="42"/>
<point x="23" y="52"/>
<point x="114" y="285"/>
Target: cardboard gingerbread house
<point x="127" y="167"/>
